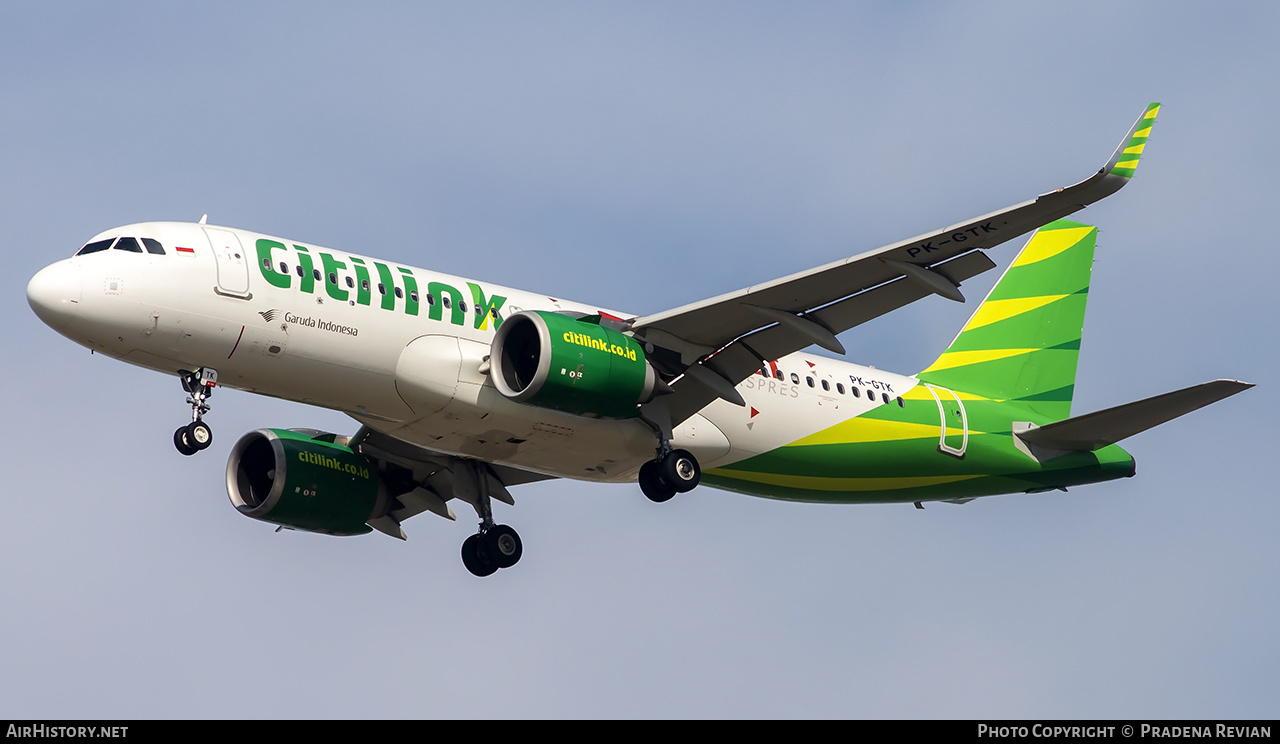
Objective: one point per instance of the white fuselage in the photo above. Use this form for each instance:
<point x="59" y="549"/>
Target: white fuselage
<point x="376" y="340"/>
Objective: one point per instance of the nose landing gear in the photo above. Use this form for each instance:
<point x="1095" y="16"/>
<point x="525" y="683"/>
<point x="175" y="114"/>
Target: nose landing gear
<point x="196" y="435"/>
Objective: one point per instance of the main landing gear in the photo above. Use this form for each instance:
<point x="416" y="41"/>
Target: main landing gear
<point x="495" y="545"/>
<point x="671" y="472"/>
<point x="490" y="549"/>
<point x="196" y="435"/>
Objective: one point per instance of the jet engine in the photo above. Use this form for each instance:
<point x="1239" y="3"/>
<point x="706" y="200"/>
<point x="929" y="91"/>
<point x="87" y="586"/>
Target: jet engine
<point x="577" y="366"/>
<point x="304" y="481"/>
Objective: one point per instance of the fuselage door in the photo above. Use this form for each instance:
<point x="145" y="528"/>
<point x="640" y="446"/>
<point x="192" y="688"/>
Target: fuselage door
<point x="233" y="267"/>
<point x="953" y="421"/>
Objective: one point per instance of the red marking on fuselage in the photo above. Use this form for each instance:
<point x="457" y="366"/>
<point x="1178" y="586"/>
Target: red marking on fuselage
<point x="237" y="342"/>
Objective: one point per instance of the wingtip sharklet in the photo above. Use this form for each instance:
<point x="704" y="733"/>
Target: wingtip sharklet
<point x="1119" y="168"/>
<point x="1124" y="161"/>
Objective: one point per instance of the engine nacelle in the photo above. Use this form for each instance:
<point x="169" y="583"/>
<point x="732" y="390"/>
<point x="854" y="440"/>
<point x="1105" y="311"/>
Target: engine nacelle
<point x="554" y="361"/>
<point x="305" y="482"/>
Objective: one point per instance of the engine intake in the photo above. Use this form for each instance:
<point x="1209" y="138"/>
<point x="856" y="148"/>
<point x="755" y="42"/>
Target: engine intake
<point x="553" y="361"/>
<point x="304" y="481"/>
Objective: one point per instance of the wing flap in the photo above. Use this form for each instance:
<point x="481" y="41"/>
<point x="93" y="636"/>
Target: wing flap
<point x="428" y="481"/>
<point x="745" y="356"/>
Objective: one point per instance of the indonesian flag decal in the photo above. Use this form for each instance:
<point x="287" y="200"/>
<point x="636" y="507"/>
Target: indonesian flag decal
<point x="185" y="251"/>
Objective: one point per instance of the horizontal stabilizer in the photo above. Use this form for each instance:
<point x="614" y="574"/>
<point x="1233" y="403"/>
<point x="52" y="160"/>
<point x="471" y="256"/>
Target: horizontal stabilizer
<point x="1097" y="430"/>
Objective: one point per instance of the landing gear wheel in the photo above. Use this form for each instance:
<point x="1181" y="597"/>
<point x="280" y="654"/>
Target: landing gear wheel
<point x="198" y="435"/>
<point x="503" y="545"/>
<point x="180" y="441"/>
<point x="680" y="469"/>
<point x="475" y="556"/>
<point x="651" y="483"/>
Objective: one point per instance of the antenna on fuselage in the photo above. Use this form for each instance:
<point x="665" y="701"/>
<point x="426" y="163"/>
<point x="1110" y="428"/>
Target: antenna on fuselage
<point x="204" y="219"/>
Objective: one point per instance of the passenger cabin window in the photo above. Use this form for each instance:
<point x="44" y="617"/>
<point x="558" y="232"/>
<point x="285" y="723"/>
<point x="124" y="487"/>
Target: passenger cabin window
<point x="840" y="388"/>
<point x="128" y="244"/>
<point x="399" y="293"/>
<point x="900" y="403"/>
<point x="826" y="386"/>
<point x="809" y="380"/>
<point x="351" y="283"/>
<point x="777" y="373"/>
<point x="101" y="245"/>
<point x="856" y="392"/>
<point x="795" y="379"/>
<point x="154" y="247"/>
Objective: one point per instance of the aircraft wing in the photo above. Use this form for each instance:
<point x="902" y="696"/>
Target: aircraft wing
<point x="716" y="343"/>
<point x="422" y="480"/>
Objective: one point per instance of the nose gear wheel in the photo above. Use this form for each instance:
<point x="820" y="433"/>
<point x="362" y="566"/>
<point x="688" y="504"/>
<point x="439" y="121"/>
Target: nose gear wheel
<point x="196" y="435"/>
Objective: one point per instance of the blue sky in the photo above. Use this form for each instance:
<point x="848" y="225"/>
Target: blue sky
<point x="641" y="158"/>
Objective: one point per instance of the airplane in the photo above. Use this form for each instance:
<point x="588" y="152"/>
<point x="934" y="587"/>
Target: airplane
<point x="463" y="389"/>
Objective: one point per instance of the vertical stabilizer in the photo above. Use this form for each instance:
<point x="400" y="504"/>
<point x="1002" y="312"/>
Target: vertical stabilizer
<point x="1023" y="342"/>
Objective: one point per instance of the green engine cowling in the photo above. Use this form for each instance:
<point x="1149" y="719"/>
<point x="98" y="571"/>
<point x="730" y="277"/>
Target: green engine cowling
<point x="554" y="361"/>
<point x="304" y="481"/>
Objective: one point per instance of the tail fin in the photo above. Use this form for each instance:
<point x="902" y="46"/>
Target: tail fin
<point x="1023" y="342"/>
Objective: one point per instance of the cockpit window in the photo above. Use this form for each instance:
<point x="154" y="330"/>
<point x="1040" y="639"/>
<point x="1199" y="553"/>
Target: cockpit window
<point x="131" y="245"/>
<point x="101" y="245"/>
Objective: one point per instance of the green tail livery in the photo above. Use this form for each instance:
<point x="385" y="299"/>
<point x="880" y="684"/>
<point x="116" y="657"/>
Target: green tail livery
<point x="461" y="395"/>
<point x="991" y="415"/>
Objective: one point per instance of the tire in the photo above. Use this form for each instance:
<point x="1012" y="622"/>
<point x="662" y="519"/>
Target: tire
<point x="476" y="557"/>
<point x="681" y="470"/>
<point x="199" y="435"/>
<point x="180" y="441"/>
<point x="503" y="544"/>
<point x="651" y="483"/>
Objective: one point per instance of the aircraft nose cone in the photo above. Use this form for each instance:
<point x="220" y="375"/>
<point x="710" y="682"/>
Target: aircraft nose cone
<point x="54" y="294"/>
